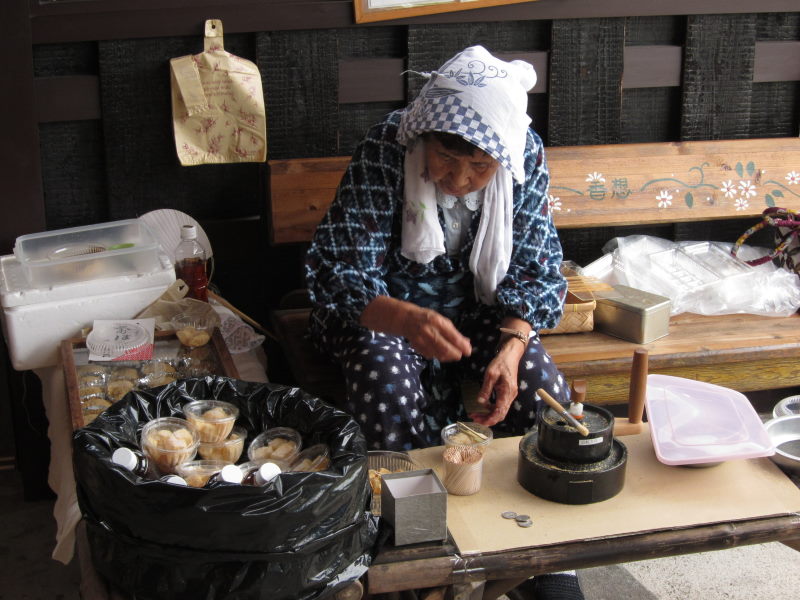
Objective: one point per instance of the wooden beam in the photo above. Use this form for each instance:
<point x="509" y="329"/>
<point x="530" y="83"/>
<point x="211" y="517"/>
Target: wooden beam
<point x="652" y="66"/>
<point x="70" y="98"/>
<point x="101" y="19"/>
<point x="361" y="80"/>
<point x="777" y="61"/>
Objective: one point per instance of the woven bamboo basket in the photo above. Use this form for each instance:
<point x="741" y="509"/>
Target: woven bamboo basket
<point x="578" y="316"/>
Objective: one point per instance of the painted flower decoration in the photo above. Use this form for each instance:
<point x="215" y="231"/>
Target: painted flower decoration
<point x="728" y="189"/>
<point x="595" y="176"/>
<point x="554" y="202"/>
<point x="742" y="204"/>
<point x="664" y="199"/>
<point x="793" y="177"/>
<point x="747" y="189"/>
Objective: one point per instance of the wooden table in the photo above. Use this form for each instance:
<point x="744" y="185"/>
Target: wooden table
<point x="486" y="574"/>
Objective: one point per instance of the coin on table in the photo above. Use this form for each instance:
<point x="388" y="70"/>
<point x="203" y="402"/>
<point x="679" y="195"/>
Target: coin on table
<point x="525" y="523"/>
<point x="522" y="518"/>
<point x="509" y="514"/>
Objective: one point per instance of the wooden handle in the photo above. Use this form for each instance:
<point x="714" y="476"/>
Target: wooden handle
<point x="556" y="406"/>
<point x="579" y="391"/>
<point x="638" y="386"/>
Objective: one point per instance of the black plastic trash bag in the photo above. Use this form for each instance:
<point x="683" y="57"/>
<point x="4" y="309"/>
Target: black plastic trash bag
<point x="306" y="536"/>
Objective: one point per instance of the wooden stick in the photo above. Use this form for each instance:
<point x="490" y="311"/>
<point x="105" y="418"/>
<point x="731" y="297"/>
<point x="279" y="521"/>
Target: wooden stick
<point x="556" y="406"/>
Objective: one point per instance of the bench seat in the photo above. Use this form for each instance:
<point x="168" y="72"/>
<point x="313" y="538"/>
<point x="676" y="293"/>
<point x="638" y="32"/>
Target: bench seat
<point x="742" y="352"/>
<point x="594" y="187"/>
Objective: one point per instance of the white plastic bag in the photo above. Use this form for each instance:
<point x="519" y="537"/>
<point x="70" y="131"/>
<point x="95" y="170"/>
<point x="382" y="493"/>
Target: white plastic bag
<point x="699" y="277"/>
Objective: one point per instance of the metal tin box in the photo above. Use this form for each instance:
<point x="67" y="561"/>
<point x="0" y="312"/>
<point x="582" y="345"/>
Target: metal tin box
<point x="633" y="315"/>
<point x="414" y="503"/>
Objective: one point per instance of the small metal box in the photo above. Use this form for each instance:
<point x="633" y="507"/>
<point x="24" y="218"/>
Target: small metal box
<point x="633" y="315"/>
<point x="415" y="504"/>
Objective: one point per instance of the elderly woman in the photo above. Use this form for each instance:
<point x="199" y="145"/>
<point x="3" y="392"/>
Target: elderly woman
<point x="438" y="262"/>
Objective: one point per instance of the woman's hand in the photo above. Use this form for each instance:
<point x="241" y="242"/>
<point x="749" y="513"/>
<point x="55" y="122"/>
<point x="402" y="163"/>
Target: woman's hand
<point x="429" y="333"/>
<point x="502" y="374"/>
<point x="435" y="336"/>
<point x="501" y="379"/>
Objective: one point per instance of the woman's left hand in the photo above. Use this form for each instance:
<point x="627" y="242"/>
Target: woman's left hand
<point x="501" y="378"/>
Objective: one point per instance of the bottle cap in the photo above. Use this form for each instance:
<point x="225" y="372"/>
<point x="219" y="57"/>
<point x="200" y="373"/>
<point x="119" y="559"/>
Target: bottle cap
<point x="231" y="474"/>
<point x="267" y="472"/>
<point x="174" y="480"/>
<point x="188" y="232"/>
<point x="125" y="457"/>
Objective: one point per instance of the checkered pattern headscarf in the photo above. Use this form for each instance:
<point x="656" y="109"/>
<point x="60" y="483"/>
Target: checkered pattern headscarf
<point x="480" y="98"/>
<point x="484" y="100"/>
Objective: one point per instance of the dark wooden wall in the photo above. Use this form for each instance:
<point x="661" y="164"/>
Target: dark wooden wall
<point x="89" y="137"/>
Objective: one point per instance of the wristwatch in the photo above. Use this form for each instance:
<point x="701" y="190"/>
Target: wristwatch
<point x="520" y="335"/>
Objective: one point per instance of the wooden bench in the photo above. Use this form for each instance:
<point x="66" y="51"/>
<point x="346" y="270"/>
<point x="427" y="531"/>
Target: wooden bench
<point x="600" y="186"/>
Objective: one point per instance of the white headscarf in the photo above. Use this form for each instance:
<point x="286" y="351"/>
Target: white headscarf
<point x="484" y="100"/>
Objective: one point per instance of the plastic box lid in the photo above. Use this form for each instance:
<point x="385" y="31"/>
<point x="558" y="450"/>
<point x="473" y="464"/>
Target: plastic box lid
<point x="126" y="247"/>
<point x="693" y="422"/>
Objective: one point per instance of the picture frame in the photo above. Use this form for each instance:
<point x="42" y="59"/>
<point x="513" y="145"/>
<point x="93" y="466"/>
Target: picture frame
<point x="370" y="11"/>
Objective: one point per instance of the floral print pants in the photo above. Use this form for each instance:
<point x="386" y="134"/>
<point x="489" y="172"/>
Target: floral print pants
<point x="402" y="400"/>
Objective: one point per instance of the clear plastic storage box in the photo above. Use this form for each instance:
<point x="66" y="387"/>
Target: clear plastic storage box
<point x="126" y="247"/>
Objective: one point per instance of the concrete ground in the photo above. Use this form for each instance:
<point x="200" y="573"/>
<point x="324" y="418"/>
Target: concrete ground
<point x="765" y="571"/>
<point x="762" y="571"/>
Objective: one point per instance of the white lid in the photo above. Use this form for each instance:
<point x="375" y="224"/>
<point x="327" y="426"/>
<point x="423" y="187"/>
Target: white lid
<point x="174" y="480"/>
<point x="267" y="472"/>
<point x="188" y="232"/>
<point x="231" y="474"/>
<point x="113" y="340"/>
<point x="125" y="457"/>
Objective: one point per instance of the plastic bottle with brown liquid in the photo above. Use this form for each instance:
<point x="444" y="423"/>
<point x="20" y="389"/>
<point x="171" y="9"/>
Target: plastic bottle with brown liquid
<point x="190" y="264"/>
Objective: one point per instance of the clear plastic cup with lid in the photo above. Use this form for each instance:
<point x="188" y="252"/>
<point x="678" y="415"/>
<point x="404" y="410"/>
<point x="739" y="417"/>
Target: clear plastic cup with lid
<point x="228" y="450"/>
<point x="282" y="443"/>
<point x="169" y="441"/>
<point x="213" y="419"/>
<point x="467" y="434"/>
<point x="198" y="473"/>
<point x="193" y="330"/>
<point x="313" y="459"/>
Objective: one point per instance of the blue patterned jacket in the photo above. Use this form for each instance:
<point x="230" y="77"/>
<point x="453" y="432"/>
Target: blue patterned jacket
<point x="356" y="246"/>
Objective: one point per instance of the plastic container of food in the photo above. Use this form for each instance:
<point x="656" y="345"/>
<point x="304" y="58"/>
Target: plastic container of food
<point x="313" y="459"/>
<point x="228" y="450"/>
<point x="467" y="434"/>
<point x="169" y="442"/>
<point x="282" y="443"/>
<point x="198" y="472"/>
<point x="213" y="419"/>
<point x="193" y="330"/>
<point x="383" y="462"/>
<point x="126" y="247"/>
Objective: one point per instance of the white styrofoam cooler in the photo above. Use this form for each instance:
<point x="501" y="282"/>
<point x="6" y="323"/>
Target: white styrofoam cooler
<point x="36" y="319"/>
